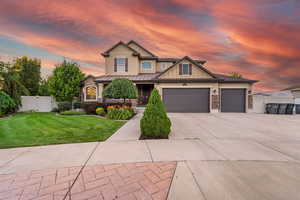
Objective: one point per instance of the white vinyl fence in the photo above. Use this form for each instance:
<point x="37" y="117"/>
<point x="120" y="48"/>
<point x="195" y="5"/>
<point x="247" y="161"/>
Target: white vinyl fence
<point x="260" y="101"/>
<point x="37" y="103"/>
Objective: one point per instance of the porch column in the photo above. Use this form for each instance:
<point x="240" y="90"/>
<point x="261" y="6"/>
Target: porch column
<point x="99" y="92"/>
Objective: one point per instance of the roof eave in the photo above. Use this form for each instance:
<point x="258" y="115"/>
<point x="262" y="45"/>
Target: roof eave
<point x="238" y="81"/>
<point x="186" y="80"/>
<point x="132" y="41"/>
<point x="106" y="53"/>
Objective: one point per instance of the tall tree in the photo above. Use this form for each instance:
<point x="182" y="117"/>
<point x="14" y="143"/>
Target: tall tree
<point x="30" y="73"/>
<point x="64" y="84"/>
<point x="44" y="88"/>
<point x="235" y="74"/>
<point x="10" y="82"/>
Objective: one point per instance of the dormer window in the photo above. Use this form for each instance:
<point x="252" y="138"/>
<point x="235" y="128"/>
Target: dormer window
<point x="121" y="64"/>
<point x="185" y="69"/>
<point x="146" y="65"/>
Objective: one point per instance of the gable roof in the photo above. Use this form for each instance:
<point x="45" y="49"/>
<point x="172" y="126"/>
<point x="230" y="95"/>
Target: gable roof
<point x="137" y="44"/>
<point x="106" y="53"/>
<point x="190" y="60"/>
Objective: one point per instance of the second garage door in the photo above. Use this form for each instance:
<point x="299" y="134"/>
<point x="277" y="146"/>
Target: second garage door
<point x="233" y="100"/>
<point x="186" y="99"/>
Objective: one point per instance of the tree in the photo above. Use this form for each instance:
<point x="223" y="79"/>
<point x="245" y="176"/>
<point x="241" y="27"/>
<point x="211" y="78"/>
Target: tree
<point x="44" y="88"/>
<point x="155" y="122"/>
<point x="235" y="74"/>
<point x="64" y="84"/>
<point x="120" y="88"/>
<point x="30" y="73"/>
<point x="10" y="82"/>
<point x="7" y="104"/>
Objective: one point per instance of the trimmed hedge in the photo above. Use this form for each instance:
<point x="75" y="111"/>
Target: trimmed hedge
<point x="155" y="123"/>
<point x="63" y="106"/>
<point x="72" y="112"/>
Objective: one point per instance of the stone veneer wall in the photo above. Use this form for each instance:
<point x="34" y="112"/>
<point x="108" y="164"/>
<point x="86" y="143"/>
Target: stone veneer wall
<point x="215" y="102"/>
<point x="250" y="101"/>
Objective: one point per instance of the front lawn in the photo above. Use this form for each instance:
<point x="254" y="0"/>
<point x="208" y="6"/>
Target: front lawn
<point x="31" y="129"/>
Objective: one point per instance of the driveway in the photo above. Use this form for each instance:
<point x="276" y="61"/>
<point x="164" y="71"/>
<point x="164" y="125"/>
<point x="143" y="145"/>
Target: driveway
<point x="208" y="156"/>
<point x="257" y="127"/>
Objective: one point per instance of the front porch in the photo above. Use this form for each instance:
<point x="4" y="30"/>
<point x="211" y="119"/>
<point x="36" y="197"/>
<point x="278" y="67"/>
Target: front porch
<point x="144" y="92"/>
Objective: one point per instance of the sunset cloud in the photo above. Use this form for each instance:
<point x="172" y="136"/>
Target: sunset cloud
<point x="258" y="38"/>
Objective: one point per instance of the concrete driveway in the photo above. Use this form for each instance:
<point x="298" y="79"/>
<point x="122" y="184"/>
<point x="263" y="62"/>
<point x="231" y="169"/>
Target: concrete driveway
<point x="218" y="156"/>
<point x="257" y="127"/>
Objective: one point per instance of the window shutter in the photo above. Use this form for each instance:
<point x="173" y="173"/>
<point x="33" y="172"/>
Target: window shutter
<point x="190" y="69"/>
<point x="115" y="67"/>
<point x="126" y="65"/>
<point x="180" y="69"/>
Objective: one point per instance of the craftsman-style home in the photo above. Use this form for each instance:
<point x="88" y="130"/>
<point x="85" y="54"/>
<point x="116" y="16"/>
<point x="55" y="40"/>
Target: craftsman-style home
<point x="184" y="83"/>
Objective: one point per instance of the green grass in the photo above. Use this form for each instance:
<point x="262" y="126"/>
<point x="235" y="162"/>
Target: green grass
<point x="33" y="129"/>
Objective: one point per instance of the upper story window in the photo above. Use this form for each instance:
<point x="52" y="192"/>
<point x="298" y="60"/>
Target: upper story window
<point x="147" y="65"/>
<point x="121" y="65"/>
<point x="186" y="69"/>
<point x="163" y="66"/>
<point x="90" y="93"/>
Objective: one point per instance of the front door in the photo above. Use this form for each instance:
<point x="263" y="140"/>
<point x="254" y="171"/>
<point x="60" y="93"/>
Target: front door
<point x="144" y="92"/>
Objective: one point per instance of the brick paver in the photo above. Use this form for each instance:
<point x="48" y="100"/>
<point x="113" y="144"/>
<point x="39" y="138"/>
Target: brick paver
<point x="131" y="181"/>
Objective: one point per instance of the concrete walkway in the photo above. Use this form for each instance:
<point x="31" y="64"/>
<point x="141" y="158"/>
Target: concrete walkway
<point x="236" y="157"/>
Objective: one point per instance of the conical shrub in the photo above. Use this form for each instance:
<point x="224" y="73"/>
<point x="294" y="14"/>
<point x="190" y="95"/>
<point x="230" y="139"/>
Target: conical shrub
<point x="155" y="122"/>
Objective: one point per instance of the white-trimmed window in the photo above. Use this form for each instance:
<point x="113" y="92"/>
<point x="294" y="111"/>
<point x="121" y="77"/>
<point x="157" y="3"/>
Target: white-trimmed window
<point x="185" y="69"/>
<point x="120" y="64"/>
<point x="163" y="66"/>
<point x="90" y="93"/>
<point x="146" y="65"/>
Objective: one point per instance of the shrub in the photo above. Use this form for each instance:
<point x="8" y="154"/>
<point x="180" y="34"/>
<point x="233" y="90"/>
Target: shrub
<point x="7" y="104"/>
<point x="119" y="113"/>
<point x="55" y="110"/>
<point x="72" y="112"/>
<point x="77" y="105"/>
<point x="155" y="122"/>
<point x="63" y="106"/>
<point x="90" y="107"/>
<point x="100" y="111"/>
<point x="120" y="88"/>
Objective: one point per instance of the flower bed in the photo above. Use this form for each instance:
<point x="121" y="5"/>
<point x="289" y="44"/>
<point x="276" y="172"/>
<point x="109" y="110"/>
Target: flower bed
<point x="119" y="112"/>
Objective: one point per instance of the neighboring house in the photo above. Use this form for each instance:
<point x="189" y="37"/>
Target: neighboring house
<point x="184" y="83"/>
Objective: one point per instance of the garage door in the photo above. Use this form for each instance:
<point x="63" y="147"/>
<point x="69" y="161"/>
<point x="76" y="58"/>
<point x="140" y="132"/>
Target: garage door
<point x="233" y="100"/>
<point x="186" y="99"/>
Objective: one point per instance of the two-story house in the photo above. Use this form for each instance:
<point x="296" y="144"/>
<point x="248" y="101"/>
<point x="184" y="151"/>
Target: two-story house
<point x="184" y="83"/>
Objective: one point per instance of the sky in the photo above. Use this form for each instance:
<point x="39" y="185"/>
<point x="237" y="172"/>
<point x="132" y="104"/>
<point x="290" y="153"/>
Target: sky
<point x="259" y="39"/>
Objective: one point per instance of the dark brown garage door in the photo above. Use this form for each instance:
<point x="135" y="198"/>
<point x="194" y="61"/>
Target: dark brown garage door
<point x="233" y="100"/>
<point x="186" y="99"/>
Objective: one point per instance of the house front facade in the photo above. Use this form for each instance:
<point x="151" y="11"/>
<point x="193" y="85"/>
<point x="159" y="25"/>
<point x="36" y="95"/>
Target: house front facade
<point x="184" y="83"/>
